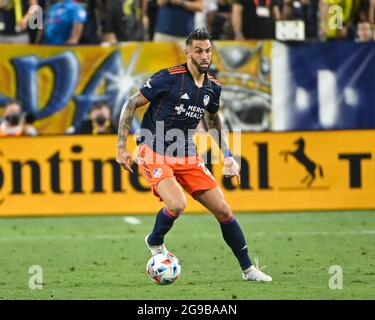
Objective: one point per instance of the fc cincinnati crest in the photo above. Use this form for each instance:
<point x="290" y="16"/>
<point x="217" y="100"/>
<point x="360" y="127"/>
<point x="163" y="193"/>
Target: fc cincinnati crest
<point x="158" y="173"/>
<point x="206" y="100"/>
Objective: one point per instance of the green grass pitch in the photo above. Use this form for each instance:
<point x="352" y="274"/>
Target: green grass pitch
<point x="105" y="258"/>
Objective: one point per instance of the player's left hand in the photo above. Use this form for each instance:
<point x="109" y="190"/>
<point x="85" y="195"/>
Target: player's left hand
<point x="232" y="169"/>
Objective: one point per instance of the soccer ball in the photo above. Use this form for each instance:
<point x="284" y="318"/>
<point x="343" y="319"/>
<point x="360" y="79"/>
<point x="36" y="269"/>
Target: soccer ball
<point x="163" y="269"/>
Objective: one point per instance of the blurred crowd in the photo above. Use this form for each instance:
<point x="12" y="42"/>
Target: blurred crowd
<point x="70" y="22"/>
<point x="14" y="122"/>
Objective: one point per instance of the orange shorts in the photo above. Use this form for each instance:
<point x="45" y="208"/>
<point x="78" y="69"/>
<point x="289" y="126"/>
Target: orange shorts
<point x="190" y="172"/>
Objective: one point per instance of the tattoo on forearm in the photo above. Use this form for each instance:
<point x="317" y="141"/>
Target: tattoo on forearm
<point x="126" y="117"/>
<point x="214" y="123"/>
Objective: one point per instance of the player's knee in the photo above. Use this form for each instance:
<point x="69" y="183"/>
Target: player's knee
<point x="223" y="212"/>
<point x="176" y="206"/>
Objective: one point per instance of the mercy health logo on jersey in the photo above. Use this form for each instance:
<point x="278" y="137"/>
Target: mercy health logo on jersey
<point x="195" y="112"/>
<point x="180" y="109"/>
<point x="191" y="111"/>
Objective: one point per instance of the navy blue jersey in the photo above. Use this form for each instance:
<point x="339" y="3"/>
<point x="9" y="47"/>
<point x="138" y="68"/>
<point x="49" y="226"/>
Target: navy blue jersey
<point x="176" y="103"/>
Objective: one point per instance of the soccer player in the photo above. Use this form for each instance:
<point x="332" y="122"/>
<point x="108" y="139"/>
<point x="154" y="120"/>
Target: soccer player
<point x="179" y="97"/>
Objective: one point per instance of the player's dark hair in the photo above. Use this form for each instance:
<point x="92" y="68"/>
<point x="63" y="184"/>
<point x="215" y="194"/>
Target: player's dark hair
<point x="198" y="34"/>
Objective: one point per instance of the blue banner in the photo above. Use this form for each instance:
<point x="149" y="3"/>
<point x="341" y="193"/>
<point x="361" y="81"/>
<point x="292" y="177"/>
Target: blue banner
<point x="318" y="86"/>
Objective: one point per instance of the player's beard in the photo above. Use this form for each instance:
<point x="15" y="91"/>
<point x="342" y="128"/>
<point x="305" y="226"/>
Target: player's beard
<point x="200" y="68"/>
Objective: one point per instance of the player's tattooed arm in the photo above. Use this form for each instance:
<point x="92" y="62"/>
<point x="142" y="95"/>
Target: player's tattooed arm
<point x="126" y="118"/>
<point x="215" y="126"/>
<point x="123" y="156"/>
<point x="213" y="120"/>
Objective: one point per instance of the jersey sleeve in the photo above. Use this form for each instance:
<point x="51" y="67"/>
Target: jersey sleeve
<point x="214" y="106"/>
<point x="158" y="84"/>
<point x="79" y="15"/>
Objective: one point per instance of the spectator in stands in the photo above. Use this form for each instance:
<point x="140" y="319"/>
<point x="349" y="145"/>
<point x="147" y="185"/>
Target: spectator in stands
<point x="99" y="121"/>
<point x="14" y="122"/>
<point x="65" y="22"/>
<point x="305" y="10"/>
<point x="176" y="19"/>
<point x="152" y="12"/>
<point x="126" y="20"/>
<point x="364" y="32"/>
<point x="92" y="31"/>
<point x="14" y="16"/>
<point x="219" y="20"/>
<point x="203" y="18"/>
<point x="252" y="19"/>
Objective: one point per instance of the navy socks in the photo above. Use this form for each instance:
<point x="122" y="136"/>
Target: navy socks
<point x="163" y="223"/>
<point x="235" y="239"/>
<point x="230" y="229"/>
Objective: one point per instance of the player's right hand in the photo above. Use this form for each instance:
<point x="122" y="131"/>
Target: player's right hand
<point x="232" y="169"/>
<point x="124" y="159"/>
